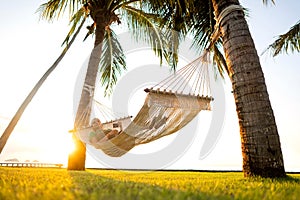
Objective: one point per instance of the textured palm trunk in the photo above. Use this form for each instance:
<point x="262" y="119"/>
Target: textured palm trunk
<point x="261" y="149"/>
<point x="77" y="158"/>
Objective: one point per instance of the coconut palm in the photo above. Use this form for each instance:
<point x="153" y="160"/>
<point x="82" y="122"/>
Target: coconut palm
<point x="261" y="148"/>
<point x="107" y="51"/>
<point x="75" y="30"/>
<point x="209" y="19"/>
<point x="289" y="41"/>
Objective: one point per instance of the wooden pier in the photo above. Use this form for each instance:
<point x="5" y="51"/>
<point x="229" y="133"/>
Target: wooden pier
<point x="30" y="164"/>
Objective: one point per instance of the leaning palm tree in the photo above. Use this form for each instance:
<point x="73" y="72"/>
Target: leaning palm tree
<point x="261" y="148"/>
<point x="67" y="42"/>
<point x="220" y="24"/>
<point x="289" y="41"/>
<point x="107" y="51"/>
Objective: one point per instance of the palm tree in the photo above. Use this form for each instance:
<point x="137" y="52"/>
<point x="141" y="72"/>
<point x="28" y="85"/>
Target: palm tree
<point x="107" y="51"/>
<point x="75" y="30"/>
<point x="289" y="41"/>
<point x="261" y="148"/>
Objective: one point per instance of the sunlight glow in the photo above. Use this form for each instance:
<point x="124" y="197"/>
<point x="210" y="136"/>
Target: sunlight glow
<point x="57" y="149"/>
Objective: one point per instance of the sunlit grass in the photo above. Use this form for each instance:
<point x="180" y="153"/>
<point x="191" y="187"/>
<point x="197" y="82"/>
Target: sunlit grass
<point x="39" y="183"/>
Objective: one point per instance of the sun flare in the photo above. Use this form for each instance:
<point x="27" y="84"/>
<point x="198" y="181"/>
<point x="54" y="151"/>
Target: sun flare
<point x="47" y="146"/>
<point x="60" y="149"/>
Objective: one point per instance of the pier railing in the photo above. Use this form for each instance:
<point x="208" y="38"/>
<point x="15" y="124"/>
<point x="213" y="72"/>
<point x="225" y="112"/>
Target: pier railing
<point x="30" y="164"/>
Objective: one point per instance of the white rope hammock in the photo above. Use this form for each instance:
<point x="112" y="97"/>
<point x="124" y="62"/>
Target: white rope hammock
<point x="169" y="106"/>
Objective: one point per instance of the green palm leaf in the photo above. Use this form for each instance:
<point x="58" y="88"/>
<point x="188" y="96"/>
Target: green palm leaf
<point x="174" y="23"/>
<point x="203" y="25"/>
<point x="205" y="32"/>
<point x="289" y="41"/>
<point x="219" y="61"/>
<point x="175" y="31"/>
<point x="172" y="47"/>
<point x="192" y="18"/>
<point x="55" y="8"/>
<point x="267" y="1"/>
<point x="112" y="61"/>
<point x="143" y="26"/>
<point x="75" y="21"/>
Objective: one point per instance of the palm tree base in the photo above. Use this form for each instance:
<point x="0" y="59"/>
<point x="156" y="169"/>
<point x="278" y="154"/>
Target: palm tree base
<point x="267" y="172"/>
<point x="76" y="160"/>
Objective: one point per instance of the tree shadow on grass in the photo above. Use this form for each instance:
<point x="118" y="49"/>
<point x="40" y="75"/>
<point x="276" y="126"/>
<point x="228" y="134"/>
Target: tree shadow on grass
<point x="89" y="185"/>
<point x="288" y="179"/>
<point x="115" y="184"/>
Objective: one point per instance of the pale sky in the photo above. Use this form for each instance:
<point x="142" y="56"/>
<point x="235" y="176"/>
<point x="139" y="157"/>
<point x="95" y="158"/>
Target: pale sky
<point x="29" y="47"/>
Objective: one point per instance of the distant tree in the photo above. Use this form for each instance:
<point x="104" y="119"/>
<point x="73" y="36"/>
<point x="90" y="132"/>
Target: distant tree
<point x="12" y="160"/>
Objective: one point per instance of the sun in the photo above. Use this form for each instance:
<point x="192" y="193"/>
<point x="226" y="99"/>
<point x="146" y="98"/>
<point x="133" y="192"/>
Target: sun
<point x="60" y="149"/>
<point x="69" y="144"/>
<point x="47" y="146"/>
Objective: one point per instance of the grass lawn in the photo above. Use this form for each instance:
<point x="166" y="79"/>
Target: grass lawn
<point x="43" y="183"/>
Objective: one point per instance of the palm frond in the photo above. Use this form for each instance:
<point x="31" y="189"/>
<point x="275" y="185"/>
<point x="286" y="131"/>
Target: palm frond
<point x="266" y="2"/>
<point x="190" y="17"/>
<point x="171" y="47"/>
<point x="118" y="4"/>
<point x="143" y="27"/>
<point x="109" y="4"/>
<point x="158" y="6"/>
<point x="75" y="20"/>
<point x="203" y="25"/>
<point x="175" y="24"/>
<point x="289" y="41"/>
<point x="219" y="61"/>
<point x="205" y="32"/>
<point x="112" y="61"/>
<point x="55" y="8"/>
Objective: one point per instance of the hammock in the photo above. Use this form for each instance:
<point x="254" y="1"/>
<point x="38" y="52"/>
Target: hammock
<point x="164" y="111"/>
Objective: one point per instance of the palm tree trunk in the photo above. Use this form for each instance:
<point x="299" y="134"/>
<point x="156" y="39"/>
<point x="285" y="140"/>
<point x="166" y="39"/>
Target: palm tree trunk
<point x="260" y="142"/>
<point x="7" y="132"/>
<point x="76" y="160"/>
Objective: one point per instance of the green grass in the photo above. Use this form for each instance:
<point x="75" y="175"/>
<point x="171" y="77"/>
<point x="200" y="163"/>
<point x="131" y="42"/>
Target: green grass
<point x="41" y="183"/>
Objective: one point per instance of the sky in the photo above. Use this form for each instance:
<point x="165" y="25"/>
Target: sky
<point x="30" y="46"/>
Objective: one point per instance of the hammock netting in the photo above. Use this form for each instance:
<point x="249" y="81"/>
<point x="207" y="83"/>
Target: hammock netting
<point x="169" y="106"/>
